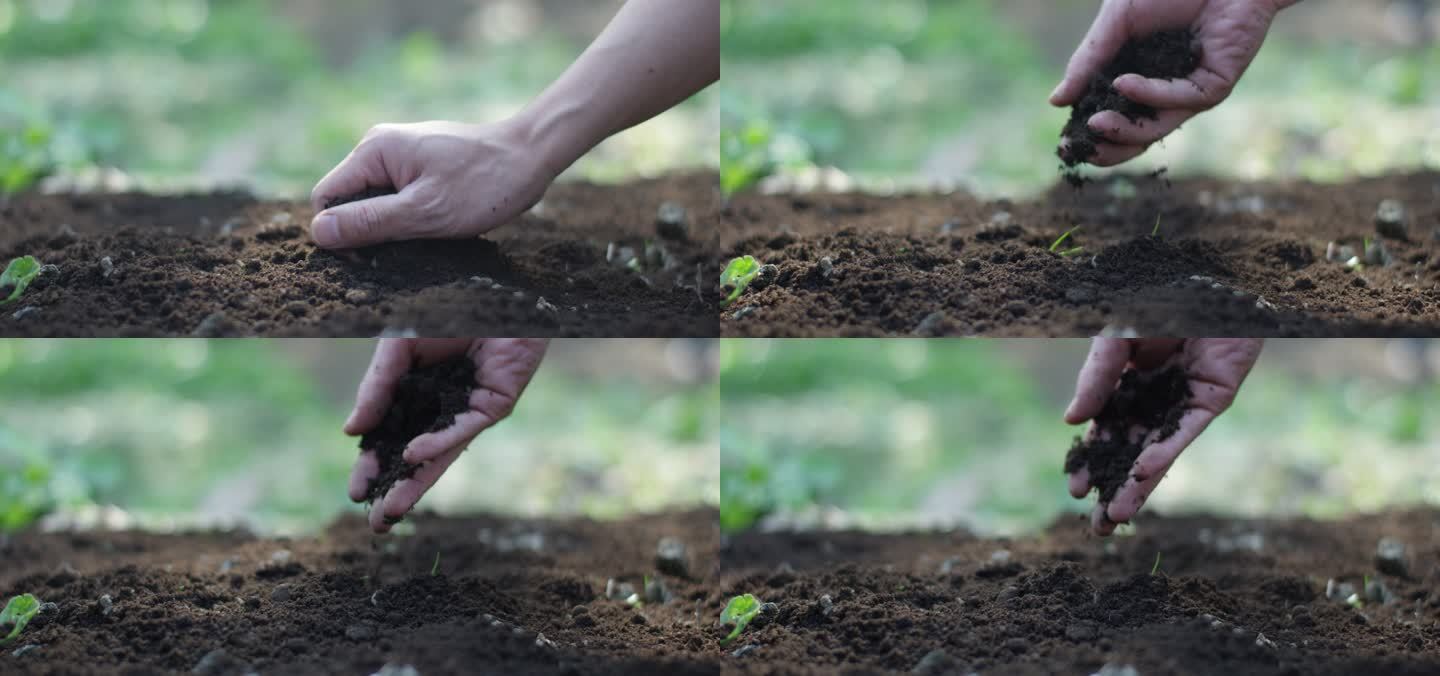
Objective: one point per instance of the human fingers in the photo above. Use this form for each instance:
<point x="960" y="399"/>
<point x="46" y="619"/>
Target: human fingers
<point x="367" y="467"/>
<point x="1153" y="463"/>
<point x="1097" y="379"/>
<point x="1120" y="130"/>
<point x="391" y="360"/>
<point x="403" y="496"/>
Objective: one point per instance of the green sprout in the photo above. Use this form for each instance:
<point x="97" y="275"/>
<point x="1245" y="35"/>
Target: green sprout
<point x="739" y="612"/>
<point x="434" y="569"/>
<point x="19" y="274"/>
<point x="1156" y="232"/>
<point x="1072" y="252"/>
<point x="1155" y="568"/>
<point x="738" y="275"/>
<point x="18" y="612"/>
<point x="1056" y="245"/>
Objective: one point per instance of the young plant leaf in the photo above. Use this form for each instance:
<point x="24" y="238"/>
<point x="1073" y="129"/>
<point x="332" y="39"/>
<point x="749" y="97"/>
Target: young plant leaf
<point x="1155" y="568"/>
<point x="739" y="612"/>
<point x="18" y="612"/>
<point x="1156" y="231"/>
<point x="1056" y="245"/>
<point x="18" y="274"/>
<point x="435" y="568"/>
<point x="738" y="275"/>
<point x="1071" y="252"/>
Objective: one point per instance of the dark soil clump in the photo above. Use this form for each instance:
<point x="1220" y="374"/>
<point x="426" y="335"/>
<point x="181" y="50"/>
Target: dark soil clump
<point x="426" y="399"/>
<point x="525" y="597"/>
<point x="1143" y="403"/>
<point x="1231" y="596"/>
<point x="1166" y="55"/>
<point x="1231" y="258"/>
<point x="225" y="264"/>
<point x="365" y="194"/>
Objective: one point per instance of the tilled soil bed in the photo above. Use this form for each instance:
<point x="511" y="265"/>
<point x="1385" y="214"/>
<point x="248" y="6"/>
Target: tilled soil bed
<point x="1229" y="597"/>
<point x="226" y="264"/>
<point x="1251" y="259"/>
<point x="509" y="597"/>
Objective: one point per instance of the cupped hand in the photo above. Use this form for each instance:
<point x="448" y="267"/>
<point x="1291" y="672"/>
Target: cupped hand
<point x="1215" y="367"/>
<point x="503" y="367"/>
<point x="1230" y="33"/>
<point x="452" y="180"/>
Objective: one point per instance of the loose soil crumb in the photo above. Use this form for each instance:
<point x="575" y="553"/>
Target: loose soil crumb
<point x="1147" y="402"/>
<point x="1242" y="259"/>
<point x="512" y="596"/>
<point x="227" y="265"/>
<point x="1230" y="597"/>
<point x="426" y="399"/>
<point x="1167" y="55"/>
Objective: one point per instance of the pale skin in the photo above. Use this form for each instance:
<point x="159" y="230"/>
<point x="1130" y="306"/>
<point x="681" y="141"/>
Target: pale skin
<point x="503" y="368"/>
<point x="1215" y="367"/>
<point x="1230" y="34"/>
<point x="458" y="180"/>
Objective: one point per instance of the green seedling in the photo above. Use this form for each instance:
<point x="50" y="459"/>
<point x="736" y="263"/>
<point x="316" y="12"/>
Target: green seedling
<point x="1155" y="568"/>
<point x="435" y="569"/>
<point x="1072" y="252"/>
<point x="739" y="612"/>
<point x="1156" y="231"/>
<point x="18" y="612"/>
<point x="1054" y="247"/>
<point x="738" y="275"/>
<point x="19" y="274"/>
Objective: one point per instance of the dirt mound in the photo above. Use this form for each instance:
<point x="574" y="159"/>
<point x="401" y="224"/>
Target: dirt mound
<point x="226" y="265"/>
<point x="509" y="597"/>
<point x="1143" y="403"/>
<point x="426" y="399"/>
<point x="1166" y="55"/>
<point x="1245" y="259"/>
<point x="1229" y="596"/>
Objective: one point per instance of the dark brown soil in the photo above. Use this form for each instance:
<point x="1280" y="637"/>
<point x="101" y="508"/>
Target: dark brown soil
<point x="225" y="264"/>
<point x="1166" y="55"/>
<point x="349" y="603"/>
<point x="1242" y="259"/>
<point x="426" y="399"/>
<point x="1142" y="403"/>
<point x="1068" y="603"/>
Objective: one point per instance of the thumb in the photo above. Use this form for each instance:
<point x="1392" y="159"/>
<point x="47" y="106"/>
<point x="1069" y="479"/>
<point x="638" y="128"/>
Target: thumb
<point x="1104" y="39"/>
<point x="372" y="221"/>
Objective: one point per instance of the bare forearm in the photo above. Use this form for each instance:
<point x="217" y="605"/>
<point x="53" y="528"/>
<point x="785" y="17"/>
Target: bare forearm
<point x="653" y="55"/>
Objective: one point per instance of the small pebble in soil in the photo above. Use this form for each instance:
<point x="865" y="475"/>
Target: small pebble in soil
<point x="618" y="591"/>
<point x="745" y="650"/>
<point x="1262" y="642"/>
<point x="282" y="593"/>
<point x="744" y="312"/>
<point x="545" y="306"/>
<point x="656" y="591"/>
<point x="359" y="632"/>
<point x="827" y="605"/>
<point x="219" y="662"/>
<point x="25" y="649"/>
<point x="1117" y="670"/>
<point x="542" y="642"/>
<point x="670" y="557"/>
<point x="766" y="276"/>
<point x="1377" y="592"/>
<point x="1390" y="557"/>
<point x="397" y="670"/>
<point x="359" y="297"/>
<point x="1338" y="591"/>
<point x="935" y="663"/>
<point x="670" y="221"/>
<point x="826" y="266"/>
<point x="107" y="267"/>
<point x="1390" y="219"/>
<point x="25" y="312"/>
<point x="932" y="325"/>
<point x="214" y="325"/>
<point x="107" y="605"/>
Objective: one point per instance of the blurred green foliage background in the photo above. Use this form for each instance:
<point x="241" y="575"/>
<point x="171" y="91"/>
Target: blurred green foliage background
<point x="170" y="433"/>
<point x="942" y="93"/>
<point x="895" y="433"/>
<point x="270" y="94"/>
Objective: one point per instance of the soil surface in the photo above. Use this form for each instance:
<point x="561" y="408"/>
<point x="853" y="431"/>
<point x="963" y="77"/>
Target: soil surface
<point x="1166" y="55"/>
<point x="226" y="264"/>
<point x="350" y="603"/>
<point x="1143" y="404"/>
<point x="426" y="399"/>
<point x="1243" y="259"/>
<point x="1230" y="596"/>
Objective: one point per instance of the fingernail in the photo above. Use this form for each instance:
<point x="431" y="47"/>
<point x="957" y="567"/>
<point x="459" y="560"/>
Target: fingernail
<point x="1057" y="91"/>
<point x="326" y="230"/>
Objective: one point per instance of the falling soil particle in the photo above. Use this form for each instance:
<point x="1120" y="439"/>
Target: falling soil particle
<point x="1145" y="407"/>
<point x="426" y="399"/>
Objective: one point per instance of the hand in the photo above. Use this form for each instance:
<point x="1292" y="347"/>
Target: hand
<point x="1230" y="33"/>
<point x="1215" y="366"/>
<point x="503" y="367"/>
<point x="453" y="181"/>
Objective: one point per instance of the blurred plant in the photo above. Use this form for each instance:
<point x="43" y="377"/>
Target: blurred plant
<point x="738" y="275"/>
<point x="752" y="147"/>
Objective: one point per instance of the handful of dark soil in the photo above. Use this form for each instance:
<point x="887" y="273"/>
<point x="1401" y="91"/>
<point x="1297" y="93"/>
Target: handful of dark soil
<point x="426" y="399"/>
<point x="365" y="194"/>
<point x="1166" y="55"/>
<point x="1150" y="401"/>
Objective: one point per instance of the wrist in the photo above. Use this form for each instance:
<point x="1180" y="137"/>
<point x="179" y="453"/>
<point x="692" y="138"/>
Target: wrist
<point x="555" y="131"/>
